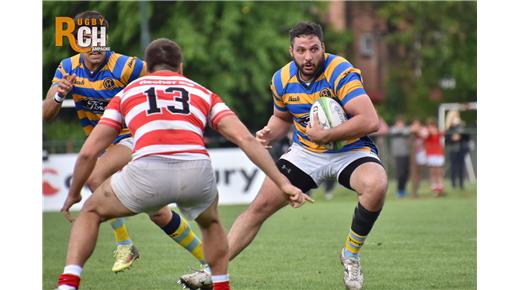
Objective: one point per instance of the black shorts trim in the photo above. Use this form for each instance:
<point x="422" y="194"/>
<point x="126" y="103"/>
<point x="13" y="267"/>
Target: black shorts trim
<point x="296" y="176"/>
<point x="344" y="176"/>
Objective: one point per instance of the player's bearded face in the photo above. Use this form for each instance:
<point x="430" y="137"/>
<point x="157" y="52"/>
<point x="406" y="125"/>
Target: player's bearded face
<point x="308" y="53"/>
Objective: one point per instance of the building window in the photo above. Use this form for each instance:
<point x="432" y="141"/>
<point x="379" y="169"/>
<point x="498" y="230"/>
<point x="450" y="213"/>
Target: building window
<point x="367" y="44"/>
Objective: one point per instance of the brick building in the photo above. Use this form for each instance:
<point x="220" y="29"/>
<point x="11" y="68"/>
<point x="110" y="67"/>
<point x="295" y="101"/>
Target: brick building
<point x="368" y="51"/>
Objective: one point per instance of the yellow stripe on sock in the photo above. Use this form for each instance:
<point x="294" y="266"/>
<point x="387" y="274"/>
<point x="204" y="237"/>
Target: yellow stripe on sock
<point x="352" y="243"/>
<point x="121" y="234"/>
<point x="188" y="239"/>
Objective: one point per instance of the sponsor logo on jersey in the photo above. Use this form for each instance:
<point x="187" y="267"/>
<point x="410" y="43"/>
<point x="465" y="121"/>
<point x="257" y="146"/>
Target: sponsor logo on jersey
<point x="294" y="99"/>
<point x="79" y="82"/>
<point x="96" y="106"/>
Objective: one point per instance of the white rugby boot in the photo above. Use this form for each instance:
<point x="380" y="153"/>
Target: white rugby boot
<point x="200" y="279"/>
<point x="353" y="276"/>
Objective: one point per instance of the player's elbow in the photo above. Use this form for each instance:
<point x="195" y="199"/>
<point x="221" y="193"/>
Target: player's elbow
<point x="86" y="155"/>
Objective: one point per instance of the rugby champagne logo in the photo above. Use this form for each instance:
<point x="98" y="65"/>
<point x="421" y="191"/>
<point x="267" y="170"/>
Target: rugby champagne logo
<point x="91" y="33"/>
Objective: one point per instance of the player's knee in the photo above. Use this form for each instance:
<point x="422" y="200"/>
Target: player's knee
<point x="262" y="208"/>
<point x="94" y="181"/>
<point x="161" y="217"/>
<point x="91" y="208"/>
<point x="374" y="185"/>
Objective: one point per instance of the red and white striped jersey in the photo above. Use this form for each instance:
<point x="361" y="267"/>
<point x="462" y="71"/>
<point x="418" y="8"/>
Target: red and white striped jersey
<point x="166" y="114"/>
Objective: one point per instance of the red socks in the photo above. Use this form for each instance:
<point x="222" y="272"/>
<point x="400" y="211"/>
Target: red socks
<point x="68" y="279"/>
<point x="221" y="285"/>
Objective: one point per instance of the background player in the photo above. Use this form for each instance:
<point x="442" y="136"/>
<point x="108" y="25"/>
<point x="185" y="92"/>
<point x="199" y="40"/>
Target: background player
<point x="295" y="87"/>
<point x="93" y="79"/>
<point x="167" y="114"/>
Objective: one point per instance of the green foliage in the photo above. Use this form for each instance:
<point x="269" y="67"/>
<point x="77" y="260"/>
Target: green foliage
<point x="233" y="48"/>
<point x="429" y="41"/>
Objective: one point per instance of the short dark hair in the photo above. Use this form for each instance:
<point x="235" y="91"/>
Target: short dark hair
<point x="91" y="14"/>
<point x="163" y="53"/>
<point x="306" y="28"/>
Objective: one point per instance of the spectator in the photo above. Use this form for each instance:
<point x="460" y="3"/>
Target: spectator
<point x="457" y="146"/>
<point x="417" y="154"/>
<point x="400" y="148"/>
<point x="434" y="156"/>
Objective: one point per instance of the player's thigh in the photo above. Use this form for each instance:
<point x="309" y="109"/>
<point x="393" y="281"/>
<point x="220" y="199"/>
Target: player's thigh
<point x="269" y="199"/>
<point x="105" y="203"/>
<point x="115" y="158"/>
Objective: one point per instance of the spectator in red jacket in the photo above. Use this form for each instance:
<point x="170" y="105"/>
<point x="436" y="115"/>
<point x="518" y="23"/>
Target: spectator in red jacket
<point x="434" y="156"/>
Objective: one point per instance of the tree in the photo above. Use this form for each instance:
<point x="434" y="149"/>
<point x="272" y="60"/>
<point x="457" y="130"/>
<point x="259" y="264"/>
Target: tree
<point x="433" y="46"/>
<point x="233" y="48"/>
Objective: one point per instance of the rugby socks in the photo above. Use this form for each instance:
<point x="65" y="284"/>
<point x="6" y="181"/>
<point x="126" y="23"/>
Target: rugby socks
<point x="180" y="231"/>
<point x="362" y="223"/>
<point x="120" y="231"/>
<point x="69" y="280"/>
<point x="220" y="282"/>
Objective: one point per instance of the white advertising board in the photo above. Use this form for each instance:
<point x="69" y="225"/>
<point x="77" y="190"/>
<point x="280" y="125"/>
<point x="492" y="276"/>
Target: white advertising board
<point x="238" y="179"/>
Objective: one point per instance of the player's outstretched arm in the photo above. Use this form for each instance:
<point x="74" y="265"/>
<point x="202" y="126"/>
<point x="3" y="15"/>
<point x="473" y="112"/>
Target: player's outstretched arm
<point x="277" y="127"/>
<point x="98" y="140"/>
<point x="235" y="131"/>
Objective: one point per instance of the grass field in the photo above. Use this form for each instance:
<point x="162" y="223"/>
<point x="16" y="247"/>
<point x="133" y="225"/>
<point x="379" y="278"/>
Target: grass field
<point x="424" y="243"/>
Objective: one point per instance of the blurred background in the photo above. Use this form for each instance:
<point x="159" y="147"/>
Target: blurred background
<point x="418" y="59"/>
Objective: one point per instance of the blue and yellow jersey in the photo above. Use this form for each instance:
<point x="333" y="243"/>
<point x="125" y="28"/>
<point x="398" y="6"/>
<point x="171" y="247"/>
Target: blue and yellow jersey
<point x="338" y="80"/>
<point x="93" y="91"/>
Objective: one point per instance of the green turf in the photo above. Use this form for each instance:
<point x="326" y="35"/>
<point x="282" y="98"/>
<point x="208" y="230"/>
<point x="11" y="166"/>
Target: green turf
<point x="424" y="243"/>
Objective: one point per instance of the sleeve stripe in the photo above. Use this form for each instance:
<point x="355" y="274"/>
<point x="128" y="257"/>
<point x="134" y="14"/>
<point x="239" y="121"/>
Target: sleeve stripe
<point x="119" y="66"/>
<point x="111" y="123"/>
<point x="352" y="94"/>
<point x="283" y="109"/>
<point x="349" y="73"/>
<point x="67" y="64"/>
<point x="218" y="108"/>
<point x="220" y="116"/>
<point x="113" y="115"/>
<point x="138" y="66"/>
<point x="340" y="68"/>
<point x="277" y="83"/>
<point x="352" y="84"/>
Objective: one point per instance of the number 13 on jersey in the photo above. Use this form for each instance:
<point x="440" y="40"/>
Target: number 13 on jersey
<point x="175" y="99"/>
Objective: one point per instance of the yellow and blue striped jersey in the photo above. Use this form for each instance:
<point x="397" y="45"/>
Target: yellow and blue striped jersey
<point x="337" y="79"/>
<point x="92" y="91"/>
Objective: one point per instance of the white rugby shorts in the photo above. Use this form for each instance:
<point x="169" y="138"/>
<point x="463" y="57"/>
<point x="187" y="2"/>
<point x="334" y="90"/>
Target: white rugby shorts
<point x="319" y="166"/>
<point x="152" y="182"/>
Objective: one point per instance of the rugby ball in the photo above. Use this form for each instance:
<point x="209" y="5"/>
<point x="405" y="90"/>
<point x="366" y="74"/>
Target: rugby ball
<point x="330" y="115"/>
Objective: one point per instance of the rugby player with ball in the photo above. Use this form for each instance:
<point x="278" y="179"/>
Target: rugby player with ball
<point x="338" y="149"/>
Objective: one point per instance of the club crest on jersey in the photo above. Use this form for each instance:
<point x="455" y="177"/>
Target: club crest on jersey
<point x="108" y="83"/>
<point x="326" y="93"/>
